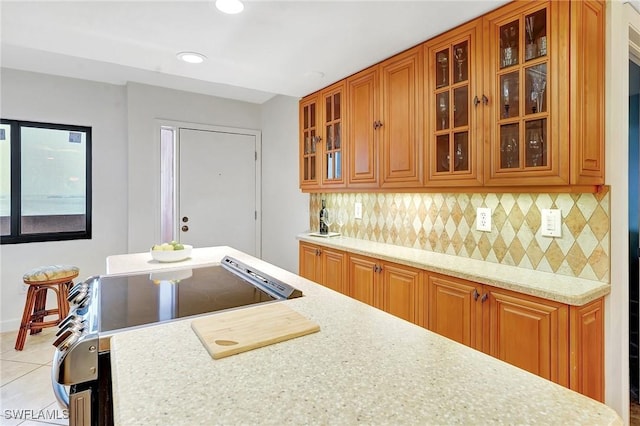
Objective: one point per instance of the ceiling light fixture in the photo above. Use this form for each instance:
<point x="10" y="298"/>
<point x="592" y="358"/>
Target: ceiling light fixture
<point x="230" y="6"/>
<point x="191" y="57"/>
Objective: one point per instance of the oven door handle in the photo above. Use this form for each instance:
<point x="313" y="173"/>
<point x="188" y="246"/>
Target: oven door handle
<point x="61" y="394"/>
<point x="58" y="390"/>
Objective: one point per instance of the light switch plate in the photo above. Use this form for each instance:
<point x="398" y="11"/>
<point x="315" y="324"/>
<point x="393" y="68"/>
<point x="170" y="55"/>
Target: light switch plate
<point x="551" y="223"/>
<point x="358" y="210"/>
<point x="483" y="219"/>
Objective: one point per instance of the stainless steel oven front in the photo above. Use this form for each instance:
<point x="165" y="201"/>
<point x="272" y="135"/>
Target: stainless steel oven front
<point x="109" y="304"/>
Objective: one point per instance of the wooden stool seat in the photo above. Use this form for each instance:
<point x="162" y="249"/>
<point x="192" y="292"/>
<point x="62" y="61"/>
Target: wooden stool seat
<point x="58" y="278"/>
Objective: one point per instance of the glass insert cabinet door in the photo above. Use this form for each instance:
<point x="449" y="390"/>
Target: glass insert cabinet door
<point x="523" y="92"/>
<point x="333" y="130"/>
<point x="450" y="71"/>
<point x="309" y="139"/>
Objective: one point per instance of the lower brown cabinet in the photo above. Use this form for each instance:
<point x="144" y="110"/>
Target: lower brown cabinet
<point x="553" y="340"/>
<point x="562" y="343"/>
<point x="388" y="286"/>
<point x="324" y="265"/>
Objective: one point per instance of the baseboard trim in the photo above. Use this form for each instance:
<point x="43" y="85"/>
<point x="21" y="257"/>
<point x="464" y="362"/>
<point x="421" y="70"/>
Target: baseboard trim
<point x="10" y="325"/>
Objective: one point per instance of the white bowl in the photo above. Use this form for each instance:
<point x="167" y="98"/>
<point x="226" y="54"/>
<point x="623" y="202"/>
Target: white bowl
<point x="172" y="255"/>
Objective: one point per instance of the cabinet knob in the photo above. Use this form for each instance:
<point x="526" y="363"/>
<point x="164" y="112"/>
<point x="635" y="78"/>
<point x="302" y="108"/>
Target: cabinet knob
<point x="475" y="294"/>
<point x="484" y="297"/>
<point x="485" y="100"/>
<point x="476" y="101"/>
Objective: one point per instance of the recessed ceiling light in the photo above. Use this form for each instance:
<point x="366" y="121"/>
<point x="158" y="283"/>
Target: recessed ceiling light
<point x="191" y="57"/>
<point x="230" y="6"/>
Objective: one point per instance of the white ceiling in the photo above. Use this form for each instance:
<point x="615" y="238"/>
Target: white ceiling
<point x="273" y="47"/>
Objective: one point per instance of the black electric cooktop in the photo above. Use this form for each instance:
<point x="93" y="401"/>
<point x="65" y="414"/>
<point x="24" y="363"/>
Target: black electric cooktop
<point x="144" y="299"/>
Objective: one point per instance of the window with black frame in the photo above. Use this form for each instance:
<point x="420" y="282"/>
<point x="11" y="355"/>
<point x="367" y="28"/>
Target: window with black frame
<point x="45" y="182"/>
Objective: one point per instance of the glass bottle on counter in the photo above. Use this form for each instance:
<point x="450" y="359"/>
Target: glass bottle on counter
<point x="324" y="229"/>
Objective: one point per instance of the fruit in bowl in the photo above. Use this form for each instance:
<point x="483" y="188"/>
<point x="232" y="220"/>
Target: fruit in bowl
<point x="170" y="252"/>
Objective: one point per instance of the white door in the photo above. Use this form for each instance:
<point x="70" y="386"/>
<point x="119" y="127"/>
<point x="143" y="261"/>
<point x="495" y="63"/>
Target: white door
<point x="218" y="184"/>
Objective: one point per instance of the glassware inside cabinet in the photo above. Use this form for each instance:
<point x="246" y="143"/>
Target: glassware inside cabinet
<point x="442" y="153"/>
<point x="313" y="141"/>
<point x="536" y="148"/>
<point x="442" y="106"/>
<point x="461" y="56"/>
<point x="509" y="39"/>
<point x="509" y="149"/>
<point x="442" y="68"/>
<point x="461" y="151"/>
<point x="329" y="140"/>
<point x="332" y="143"/>
<point x="307" y="143"/>
<point x="461" y="106"/>
<point x="509" y="95"/>
<point x="535" y="87"/>
<point x="535" y="35"/>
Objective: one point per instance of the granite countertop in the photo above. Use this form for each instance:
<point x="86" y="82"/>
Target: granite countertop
<point x="364" y="366"/>
<point x="559" y="288"/>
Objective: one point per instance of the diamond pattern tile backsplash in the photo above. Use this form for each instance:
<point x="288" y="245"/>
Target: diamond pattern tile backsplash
<point x="445" y="223"/>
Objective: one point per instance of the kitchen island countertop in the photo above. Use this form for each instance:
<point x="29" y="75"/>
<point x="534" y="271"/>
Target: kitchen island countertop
<point x="364" y="366"/>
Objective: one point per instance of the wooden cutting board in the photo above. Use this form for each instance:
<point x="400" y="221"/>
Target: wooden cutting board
<point x="241" y="330"/>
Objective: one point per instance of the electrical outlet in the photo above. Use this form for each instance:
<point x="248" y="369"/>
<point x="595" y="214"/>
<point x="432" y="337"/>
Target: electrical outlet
<point x="483" y="219"/>
<point x="358" y="210"/>
<point x="551" y="223"/>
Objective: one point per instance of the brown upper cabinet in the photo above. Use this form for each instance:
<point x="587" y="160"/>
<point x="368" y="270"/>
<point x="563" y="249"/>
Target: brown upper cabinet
<point x="528" y="112"/>
<point x="453" y="110"/>
<point x="362" y="89"/>
<point x="322" y="125"/>
<point x="512" y="99"/>
<point x="309" y="142"/>
<point x="385" y="132"/>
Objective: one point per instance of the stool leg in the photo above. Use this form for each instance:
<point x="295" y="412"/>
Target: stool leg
<point x="63" y="303"/>
<point x="39" y="308"/>
<point x="26" y="317"/>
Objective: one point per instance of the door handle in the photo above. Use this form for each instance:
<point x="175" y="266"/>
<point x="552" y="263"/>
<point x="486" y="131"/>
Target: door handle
<point x="184" y="228"/>
<point x="185" y="219"/>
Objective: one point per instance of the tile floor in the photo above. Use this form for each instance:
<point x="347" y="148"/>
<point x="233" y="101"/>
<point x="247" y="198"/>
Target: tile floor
<point x="26" y="396"/>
